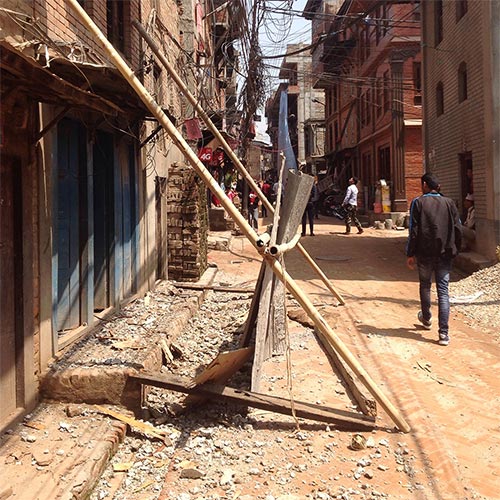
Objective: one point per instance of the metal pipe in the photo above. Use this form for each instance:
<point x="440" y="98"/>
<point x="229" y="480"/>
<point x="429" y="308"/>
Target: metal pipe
<point x="277" y="250"/>
<point x="263" y="240"/>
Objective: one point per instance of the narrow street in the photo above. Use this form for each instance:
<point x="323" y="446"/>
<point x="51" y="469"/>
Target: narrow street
<point x="447" y="394"/>
<point x="154" y="345"/>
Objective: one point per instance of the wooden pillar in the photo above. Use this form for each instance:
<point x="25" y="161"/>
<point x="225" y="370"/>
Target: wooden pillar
<point x="400" y="202"/>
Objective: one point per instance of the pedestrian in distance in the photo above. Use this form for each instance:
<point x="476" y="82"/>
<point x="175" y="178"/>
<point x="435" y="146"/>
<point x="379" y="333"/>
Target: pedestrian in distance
<point x="266" y="190"/>
<point x="309" y="212"/>
<point x="434" y="240"/>
<point x="253" y="210"/>
<point x="350" y="204"/>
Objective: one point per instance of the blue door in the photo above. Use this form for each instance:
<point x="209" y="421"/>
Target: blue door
<point x="104" y="220"/>
<point x="70" y="162"/>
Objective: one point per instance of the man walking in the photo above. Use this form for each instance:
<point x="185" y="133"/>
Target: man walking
<point x="434" y="240"/>
<point x="350" y="204"/>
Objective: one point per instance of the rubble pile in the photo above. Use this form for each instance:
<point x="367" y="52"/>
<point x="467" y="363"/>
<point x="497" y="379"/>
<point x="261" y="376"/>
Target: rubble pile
<point x="221" y="451"/>
<point x="124" y="339"/>
<point x="477" y="297"/>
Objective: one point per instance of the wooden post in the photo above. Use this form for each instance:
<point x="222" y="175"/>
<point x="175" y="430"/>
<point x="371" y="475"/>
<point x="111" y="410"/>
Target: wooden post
<point x="236" y="161"/>
<point x="246" y="229"/>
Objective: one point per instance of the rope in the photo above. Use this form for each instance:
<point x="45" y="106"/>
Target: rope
<point x="288" y="350"/>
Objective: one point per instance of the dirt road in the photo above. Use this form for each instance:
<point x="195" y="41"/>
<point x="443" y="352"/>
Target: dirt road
<point x="449" y="395"/>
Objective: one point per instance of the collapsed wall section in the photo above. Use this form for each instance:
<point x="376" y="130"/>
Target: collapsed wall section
<point x="187" y="224"/>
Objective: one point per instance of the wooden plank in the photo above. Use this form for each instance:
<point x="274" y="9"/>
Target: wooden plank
<point x="270" y="336"/>
<point x="220" y="370"/>
<point x="223" y="366"/>
<point x="341" y="418"/>
<point x="254" y="309"/>
<point x="215" y="288"/>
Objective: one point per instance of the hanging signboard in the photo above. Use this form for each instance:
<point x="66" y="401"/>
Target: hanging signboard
<point x="205" y="155"/>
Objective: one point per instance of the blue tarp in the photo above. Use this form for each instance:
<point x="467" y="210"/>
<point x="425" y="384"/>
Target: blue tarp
<point x="284" y="143"/>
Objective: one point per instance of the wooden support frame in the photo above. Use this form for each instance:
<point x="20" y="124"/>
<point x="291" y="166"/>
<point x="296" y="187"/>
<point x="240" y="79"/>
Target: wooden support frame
<point x="341" y="418"/>
<point x="306" y="303"/>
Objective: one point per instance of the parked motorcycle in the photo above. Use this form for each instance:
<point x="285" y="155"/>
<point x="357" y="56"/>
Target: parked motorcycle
<point x="332" y="205"/>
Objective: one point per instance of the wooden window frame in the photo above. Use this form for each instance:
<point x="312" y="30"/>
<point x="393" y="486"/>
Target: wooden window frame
<point x="461" y="8"/>
<point x="438" y="22"/>
<point x="462" y="82"/>
<point x="439" y="99"/>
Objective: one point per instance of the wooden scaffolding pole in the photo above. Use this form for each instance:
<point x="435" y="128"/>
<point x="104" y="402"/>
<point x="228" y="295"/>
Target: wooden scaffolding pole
<point x="236" y="161"/>
<point x="324" y="329"/>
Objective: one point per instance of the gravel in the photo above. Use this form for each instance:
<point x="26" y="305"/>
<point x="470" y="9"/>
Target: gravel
<point x="482" y="289"/>
<point x="221" y="451"/>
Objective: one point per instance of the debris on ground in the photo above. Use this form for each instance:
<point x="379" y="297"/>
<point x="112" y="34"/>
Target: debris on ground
<point x="484" y="285"/>
<point x="219" y="451"/>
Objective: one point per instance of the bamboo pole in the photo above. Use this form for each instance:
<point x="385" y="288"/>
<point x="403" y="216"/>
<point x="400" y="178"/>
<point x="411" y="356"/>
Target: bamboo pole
<point x="324" y="329"/>
<point x="236" y="161"/>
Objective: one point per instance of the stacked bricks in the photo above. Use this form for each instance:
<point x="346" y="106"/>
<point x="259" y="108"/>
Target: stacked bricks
<point x="187" y="224"/>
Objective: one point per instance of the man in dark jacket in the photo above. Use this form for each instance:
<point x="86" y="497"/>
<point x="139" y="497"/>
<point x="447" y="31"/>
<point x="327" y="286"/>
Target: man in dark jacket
<point x="434" y="240"/>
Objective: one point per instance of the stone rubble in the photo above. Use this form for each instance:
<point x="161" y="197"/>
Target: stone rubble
<point x="220" y="451"/>
<point x="485" y="310"/>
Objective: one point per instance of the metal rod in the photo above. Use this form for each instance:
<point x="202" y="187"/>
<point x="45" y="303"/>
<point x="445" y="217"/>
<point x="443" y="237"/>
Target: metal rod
<point x="277" y="250"/>
<point x="236" y="161"/>
<point x="263" y="240"/>
<point x="246" y="229"/>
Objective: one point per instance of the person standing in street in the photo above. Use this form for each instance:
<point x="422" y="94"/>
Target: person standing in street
<point x="434" y="240"/>
<point x="309" y="212"/>
<point x="266" y="190"/>
<point x="316" y="198"/>
<point x="350" y="204"/>
<point x="253" y="210"/>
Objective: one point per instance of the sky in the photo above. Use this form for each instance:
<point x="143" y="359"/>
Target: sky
<point x="278" y="31"/>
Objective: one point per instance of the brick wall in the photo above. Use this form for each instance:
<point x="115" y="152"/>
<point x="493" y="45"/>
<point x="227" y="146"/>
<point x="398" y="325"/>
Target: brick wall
<point x="413" y="162"/>
<point x="461" y="127"/>
<point x="58" y="20"/>
<point x="187" y="224"/>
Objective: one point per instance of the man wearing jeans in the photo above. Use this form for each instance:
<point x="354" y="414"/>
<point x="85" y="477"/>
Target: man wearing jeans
<point x="350" y="204"/>
<point x="434" y="240"/>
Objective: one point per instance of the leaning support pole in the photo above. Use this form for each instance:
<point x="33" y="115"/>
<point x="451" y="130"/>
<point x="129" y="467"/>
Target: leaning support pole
<point x="325" y="330"/>
<point x="236" y="161"/>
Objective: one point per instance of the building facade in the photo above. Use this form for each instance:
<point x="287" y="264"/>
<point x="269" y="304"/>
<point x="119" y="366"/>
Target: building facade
<point x="367" y="60"/>
<point x="97" y="203"/>
<point x="305" y="109"/>
<point x="461" y="75"/>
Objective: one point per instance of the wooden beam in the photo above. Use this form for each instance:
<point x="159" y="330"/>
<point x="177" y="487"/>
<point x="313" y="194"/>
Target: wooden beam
<point x="215" y="288"/>
<point x="341" y="418"/>
<point x="367" y="406"/>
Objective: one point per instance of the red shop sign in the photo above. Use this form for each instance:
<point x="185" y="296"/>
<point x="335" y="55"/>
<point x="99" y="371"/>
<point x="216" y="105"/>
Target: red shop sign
<point x="205" y="155"/>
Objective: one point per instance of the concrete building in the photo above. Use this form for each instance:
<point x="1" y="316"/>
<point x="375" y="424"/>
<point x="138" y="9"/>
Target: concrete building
<point x="305" y="109"/>
<point x="461" y="75"/>
<point x="366" y="57"/>
<point x="97" y="203"/>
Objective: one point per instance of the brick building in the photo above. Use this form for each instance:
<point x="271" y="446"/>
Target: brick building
<point x="461" y="75"/>
<point x="91" y="215"/>
<point x="366" y="57"/>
